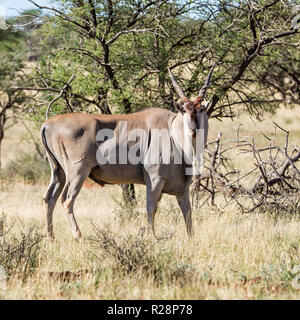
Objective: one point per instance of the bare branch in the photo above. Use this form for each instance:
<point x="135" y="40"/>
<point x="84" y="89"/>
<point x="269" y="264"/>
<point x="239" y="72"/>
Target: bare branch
<point x="59" y="95"/>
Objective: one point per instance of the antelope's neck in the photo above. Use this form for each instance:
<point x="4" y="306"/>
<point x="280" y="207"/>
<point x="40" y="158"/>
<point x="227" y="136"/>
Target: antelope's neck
<point x="181" y="138"/>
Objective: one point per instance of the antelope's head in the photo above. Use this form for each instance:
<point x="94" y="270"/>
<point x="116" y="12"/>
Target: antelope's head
<point x="195" y="121"/>
<point x="194" y="111"/>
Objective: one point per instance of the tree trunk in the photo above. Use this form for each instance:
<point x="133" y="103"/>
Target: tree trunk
<point x="127" y="189"/>
<point x="128" y="194"/>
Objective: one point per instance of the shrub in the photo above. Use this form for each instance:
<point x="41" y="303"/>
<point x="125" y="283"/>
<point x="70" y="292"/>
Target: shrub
<point x="135" y="255"/>
<point x="126" y="211"/>
<point x="18" y="254"/>
<point x="28" y="167"/>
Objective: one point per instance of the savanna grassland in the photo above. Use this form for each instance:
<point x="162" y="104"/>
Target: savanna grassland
<point x="231" y="256"/>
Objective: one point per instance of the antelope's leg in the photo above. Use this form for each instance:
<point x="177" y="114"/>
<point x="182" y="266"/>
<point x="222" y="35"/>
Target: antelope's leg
<point x="154" y="188"/>
<point x="185" y="206"/>
<point x="74" y="182"/>
<point x="54" y="190"/>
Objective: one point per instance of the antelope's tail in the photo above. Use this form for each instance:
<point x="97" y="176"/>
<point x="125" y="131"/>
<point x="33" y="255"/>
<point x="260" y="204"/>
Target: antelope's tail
<point x="48" y="151"/>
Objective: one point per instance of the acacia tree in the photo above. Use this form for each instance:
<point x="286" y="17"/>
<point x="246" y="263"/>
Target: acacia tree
<point x="105" y="44"/>
<point x="11" y="100"/>
<point x="119" y="53"/>
<point x="283" y="74"/>
<point x="245" y="39"/>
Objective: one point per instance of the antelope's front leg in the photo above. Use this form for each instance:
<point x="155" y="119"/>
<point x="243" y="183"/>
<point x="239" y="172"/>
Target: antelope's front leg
<point x="185" y="206"/>
<point x="154" y="188"/>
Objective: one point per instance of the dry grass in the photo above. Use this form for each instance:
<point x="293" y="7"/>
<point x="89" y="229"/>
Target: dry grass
<point x="231" y="256"/>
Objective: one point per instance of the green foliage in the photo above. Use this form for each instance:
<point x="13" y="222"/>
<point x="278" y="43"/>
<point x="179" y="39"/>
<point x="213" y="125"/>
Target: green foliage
<point x="10" y="67"/>
<point x="119" y="53"/>
<point x="10" y="39"/>
<point x="12" y="53"/>
<point x="20" y="32"/>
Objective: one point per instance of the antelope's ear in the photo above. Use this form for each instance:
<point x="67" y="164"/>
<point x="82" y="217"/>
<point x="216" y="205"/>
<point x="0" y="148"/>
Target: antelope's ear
<point x="179" y="106"/>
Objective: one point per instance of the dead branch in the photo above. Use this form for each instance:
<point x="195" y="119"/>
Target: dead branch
<point x="276" y="176"/>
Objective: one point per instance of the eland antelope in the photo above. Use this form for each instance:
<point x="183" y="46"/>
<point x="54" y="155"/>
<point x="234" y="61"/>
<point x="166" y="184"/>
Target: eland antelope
<point x="154" y="147"/>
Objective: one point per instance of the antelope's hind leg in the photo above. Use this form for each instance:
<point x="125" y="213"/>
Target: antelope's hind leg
<point x="52" y="193"/>
<point x="75" y="176"/>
